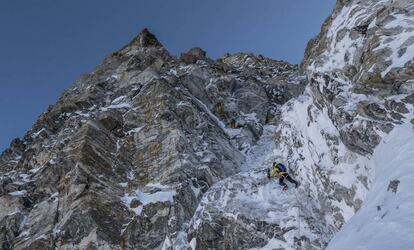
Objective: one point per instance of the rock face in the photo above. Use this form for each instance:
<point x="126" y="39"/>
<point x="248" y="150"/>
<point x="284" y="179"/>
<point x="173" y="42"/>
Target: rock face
<point x="360" y="75"/>
<point x="150" y="151"/>
<point x="124" y="157"/>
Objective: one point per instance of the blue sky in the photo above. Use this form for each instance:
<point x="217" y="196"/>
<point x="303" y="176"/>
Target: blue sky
<point x="46" y="44"/>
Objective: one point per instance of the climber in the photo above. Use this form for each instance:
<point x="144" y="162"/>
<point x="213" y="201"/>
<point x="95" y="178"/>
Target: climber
<point x="281" y="170"/>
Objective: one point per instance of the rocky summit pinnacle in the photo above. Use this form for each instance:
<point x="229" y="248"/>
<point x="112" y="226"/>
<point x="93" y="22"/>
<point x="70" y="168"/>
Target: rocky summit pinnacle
<point x="150" y="151"/>
<point x="146" y="39"/>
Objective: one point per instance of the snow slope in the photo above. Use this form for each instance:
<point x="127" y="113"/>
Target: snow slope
<point x="386" y="219"/>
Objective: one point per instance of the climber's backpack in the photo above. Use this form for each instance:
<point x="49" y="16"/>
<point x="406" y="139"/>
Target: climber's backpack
<point x="281" y="167"/>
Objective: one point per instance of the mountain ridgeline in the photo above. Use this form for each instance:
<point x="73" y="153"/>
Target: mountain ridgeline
<point x="151" y="151"/>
